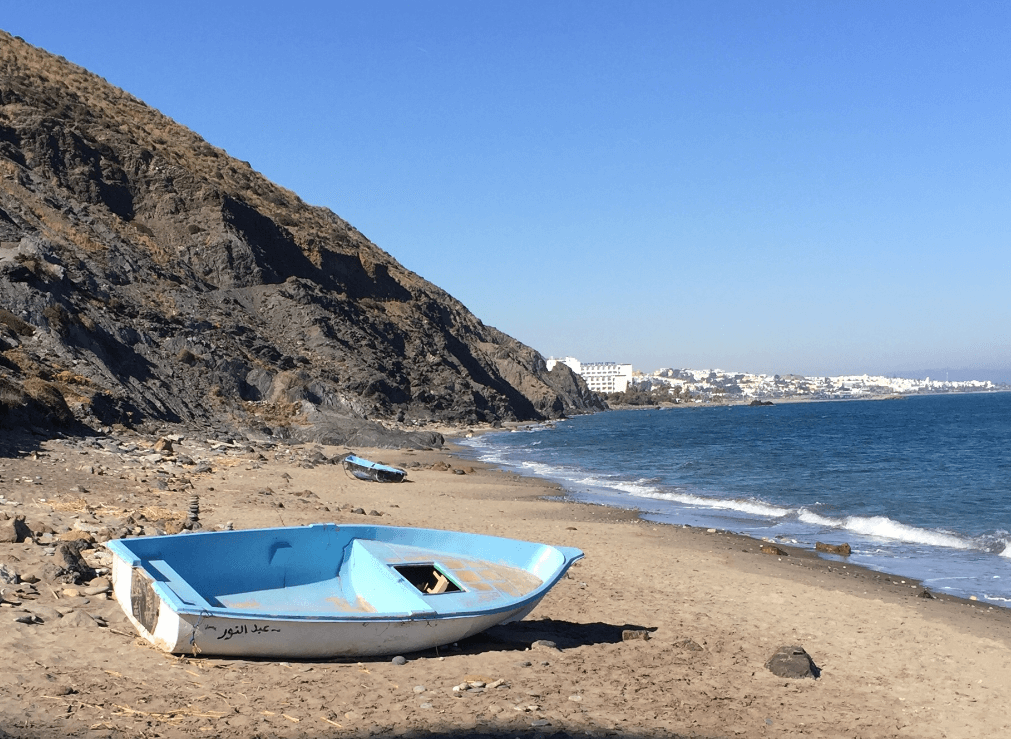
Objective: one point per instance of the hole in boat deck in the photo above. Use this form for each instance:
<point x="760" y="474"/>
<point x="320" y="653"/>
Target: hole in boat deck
<point x="428" y="579"/>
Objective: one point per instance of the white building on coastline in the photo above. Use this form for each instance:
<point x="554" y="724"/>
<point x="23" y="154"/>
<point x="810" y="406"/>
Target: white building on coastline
<point x="571" y="362"/>
<point x="600" y="377"/>
<point x="716" y="385"/>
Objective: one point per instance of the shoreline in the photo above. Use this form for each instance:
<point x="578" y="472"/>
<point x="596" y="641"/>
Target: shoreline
<point x="715" y="609"/>
<point x="884" y="582"/>
<point x="766" y="402"/>
<point x="954" y="561"/>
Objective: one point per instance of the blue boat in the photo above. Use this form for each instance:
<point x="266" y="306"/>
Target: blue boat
<point x="327" y="590"/>
<point x="363" y="469"/>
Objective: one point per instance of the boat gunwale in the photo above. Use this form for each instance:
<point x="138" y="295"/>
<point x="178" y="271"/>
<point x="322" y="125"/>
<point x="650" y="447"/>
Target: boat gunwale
<point x="121" y="550"/>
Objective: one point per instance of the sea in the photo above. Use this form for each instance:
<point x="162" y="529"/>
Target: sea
<point x="918" y="486"/>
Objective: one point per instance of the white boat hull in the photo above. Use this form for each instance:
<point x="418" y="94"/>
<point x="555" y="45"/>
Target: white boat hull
<point x="325" y="591"/>
<point x="241" y="637"/>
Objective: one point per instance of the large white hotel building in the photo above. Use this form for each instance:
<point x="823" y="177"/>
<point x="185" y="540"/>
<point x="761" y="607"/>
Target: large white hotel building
<point x="600" y="377"/>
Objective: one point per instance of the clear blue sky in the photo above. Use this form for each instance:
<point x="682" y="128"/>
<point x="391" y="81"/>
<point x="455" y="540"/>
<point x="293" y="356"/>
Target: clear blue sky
<point x="808" y="187"/>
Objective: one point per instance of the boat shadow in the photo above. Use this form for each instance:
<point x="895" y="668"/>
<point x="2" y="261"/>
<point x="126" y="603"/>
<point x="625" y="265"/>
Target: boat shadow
<point x="515" y="637"/>
<point x="520" y="635"/>
<point x="547" y="730"/>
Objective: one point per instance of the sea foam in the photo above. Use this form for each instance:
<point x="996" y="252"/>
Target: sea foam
<point x="885" y="528"/>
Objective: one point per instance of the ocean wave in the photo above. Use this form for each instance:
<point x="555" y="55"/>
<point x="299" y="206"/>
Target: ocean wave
<point x="808" y="516"/>
<point x="648" y="488"/>
<point x="493" y="457"/>
<point x="543" y="469"/>
<point x="637" y="489"/>
<point x="651" y="489"/>
<point x="996" y="543"/>
<point x="896" y="512"/>
<point x="883" y="527"/>
<point x="532" y="429"/>
<point x="480" y="443"/>
<point x="751" y="507"/>
<point x="875" y="527"/>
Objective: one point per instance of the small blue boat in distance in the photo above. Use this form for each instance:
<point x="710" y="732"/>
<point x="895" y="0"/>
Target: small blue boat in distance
<point x="327" y="590"/>
<point x="363" y="469"/>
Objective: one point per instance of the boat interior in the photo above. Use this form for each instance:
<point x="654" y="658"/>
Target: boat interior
<point x="330" y="571"/>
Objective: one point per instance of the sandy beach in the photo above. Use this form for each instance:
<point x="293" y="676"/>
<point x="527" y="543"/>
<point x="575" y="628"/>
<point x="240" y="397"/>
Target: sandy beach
<point x="891" y="663"/>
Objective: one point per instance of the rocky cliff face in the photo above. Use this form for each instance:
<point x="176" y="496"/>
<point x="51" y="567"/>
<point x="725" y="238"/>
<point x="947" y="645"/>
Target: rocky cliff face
<point x="146" y="277"/>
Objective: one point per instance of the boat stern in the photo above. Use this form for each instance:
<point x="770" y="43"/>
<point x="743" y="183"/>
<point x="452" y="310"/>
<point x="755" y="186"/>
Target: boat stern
<point x="150" y="614"/>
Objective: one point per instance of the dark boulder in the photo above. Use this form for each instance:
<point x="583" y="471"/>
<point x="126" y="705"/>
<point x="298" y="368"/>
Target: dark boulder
<point x="840" y="549"/>
<point x="14" y="530"/>
<point x="792" y="662"/>
<point x="71" y="566"/>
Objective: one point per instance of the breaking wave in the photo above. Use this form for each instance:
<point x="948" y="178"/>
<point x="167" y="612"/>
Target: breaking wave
<point x="880" y="528"/>
<point x="908" y="486"/>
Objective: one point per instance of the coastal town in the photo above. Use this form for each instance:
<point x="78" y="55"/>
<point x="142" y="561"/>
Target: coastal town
<point x="716" y="385"/>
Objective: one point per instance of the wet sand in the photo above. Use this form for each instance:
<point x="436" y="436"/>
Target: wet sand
<point x="715" y="607"/>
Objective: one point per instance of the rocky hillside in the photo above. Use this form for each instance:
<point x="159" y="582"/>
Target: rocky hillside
<point x="147" y="278"/>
